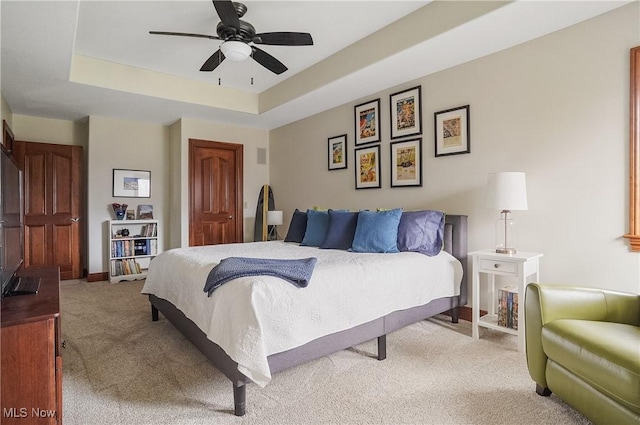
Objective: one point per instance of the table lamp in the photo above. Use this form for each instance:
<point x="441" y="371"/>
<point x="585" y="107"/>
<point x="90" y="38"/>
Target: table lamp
<point x="274" y="218"/>
<point x="506" y="191"/>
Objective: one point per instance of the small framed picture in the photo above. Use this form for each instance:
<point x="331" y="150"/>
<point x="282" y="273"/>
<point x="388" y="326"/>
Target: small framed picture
<point x="131" y="183"/>
<point x="145" y="212"/>
<point x="406" y="163"/>
<point x="131" y="215"/>
<point x="452" y="131"/>
<point x="367" y="166"/>
<point x="337" y="148"/>
<point x="367" y="122"/>
<point x="406" y="115"/>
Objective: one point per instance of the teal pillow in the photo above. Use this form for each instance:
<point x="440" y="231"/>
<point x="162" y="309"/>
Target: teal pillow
<point x="317" y="224"/>
<point x="377" y="231"/>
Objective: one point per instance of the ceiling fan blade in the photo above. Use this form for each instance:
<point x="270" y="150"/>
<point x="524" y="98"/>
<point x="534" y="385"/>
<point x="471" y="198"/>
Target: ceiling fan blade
<point x="268" y="61"/>
<point x="213" y="61"/>
<point x="227" y="13"/>
<point x="185" y="34"/>
<point x="284" y="39"/>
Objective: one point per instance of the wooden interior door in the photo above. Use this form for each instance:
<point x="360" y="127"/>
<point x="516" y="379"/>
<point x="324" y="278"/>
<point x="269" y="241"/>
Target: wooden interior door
<point x="215" y="195"/>
<point x="52" y="205"/>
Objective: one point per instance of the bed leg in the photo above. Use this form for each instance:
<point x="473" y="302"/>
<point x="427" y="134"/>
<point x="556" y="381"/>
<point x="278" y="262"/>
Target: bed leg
<point x="239" y="399"/>
<point x="382" y="347"/>
<point x="154" y="313"/>
<point x="454" y="315"/>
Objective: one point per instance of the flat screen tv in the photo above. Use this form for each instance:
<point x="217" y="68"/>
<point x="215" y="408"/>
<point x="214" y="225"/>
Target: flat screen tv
<point x="11" y="221"/>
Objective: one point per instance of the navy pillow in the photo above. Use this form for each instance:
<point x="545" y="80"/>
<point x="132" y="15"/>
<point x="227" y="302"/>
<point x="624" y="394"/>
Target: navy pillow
<point x="317" y="223"/>
<point x="421" y="231"/>
<point x="297" y="227"/>
<point x="377" y="231"/>
<point x="342" y="227"/>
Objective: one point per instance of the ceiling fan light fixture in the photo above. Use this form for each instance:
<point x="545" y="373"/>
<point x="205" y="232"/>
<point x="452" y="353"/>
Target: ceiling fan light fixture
<point x="235" y="50"/>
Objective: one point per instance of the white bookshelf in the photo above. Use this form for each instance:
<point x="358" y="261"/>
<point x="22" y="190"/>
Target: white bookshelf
<point x="130" y="255"/>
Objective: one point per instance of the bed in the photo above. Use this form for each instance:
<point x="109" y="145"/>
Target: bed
<point x="239" y="328"/>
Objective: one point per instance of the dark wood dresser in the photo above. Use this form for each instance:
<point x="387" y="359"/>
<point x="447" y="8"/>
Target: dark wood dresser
<point x="31" y="358"/>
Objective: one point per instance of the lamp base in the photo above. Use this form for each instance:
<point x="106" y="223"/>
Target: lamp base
<point x="505" y="250"/>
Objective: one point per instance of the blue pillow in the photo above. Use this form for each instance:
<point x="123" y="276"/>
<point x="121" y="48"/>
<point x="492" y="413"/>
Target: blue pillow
<point x="342" y="227"/>
<point x="377" y="231"/>
<point x="421" y="231"/>
<point x="317" y="223"/>
<point x="297" y="227"/>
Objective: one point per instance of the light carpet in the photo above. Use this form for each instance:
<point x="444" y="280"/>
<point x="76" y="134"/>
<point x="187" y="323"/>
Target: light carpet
<point x="122" y="368"/>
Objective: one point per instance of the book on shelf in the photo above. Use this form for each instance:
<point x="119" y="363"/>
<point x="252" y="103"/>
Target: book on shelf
<point x="508" y="307"/>
<point x="125" y="267"/>
<point x="145" y="212"/>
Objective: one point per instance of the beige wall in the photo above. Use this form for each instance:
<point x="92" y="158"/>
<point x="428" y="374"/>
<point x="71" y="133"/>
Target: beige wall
<point x="555" y="108"/>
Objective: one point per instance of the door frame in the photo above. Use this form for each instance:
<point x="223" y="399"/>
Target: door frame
<point x="238" y="150"/>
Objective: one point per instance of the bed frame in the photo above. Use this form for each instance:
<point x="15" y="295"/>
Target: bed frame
<point x="455" y="243"/>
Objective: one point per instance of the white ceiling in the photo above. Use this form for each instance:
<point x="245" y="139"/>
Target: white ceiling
<point x="39" y="41"/>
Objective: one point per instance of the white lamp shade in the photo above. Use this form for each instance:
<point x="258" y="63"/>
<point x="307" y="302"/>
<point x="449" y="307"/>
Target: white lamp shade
<point x="274" y="218"/>
<point x="507" y="191"/>
<point x="235" y="50"/>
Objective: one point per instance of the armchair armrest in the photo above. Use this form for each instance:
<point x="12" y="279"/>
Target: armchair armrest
<point x="546" y="303"/>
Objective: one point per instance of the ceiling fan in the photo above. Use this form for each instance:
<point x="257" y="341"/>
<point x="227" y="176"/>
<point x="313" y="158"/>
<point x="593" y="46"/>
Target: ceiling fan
<point x="237" y="35"/>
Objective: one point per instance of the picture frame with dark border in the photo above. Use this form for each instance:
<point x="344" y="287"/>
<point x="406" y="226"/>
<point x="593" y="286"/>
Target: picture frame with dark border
<point x="337" y="150"/>
<point x="406" y="163"/>
<point x="405" y="108"/>
<point x="367" y="122"/>
<point x="367" y="167"/>
<point x="131" y="183"/>
<point x="452" y="131"/>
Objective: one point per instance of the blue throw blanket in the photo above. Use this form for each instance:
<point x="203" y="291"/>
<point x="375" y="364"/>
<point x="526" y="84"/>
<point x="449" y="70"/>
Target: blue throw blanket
<point x="297" y="272"/>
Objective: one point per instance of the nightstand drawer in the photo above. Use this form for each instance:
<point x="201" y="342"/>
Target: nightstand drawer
<point x="497" y="266"/>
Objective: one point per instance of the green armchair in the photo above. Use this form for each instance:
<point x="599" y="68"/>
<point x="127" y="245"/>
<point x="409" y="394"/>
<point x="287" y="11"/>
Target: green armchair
<point x="583" y="344"/>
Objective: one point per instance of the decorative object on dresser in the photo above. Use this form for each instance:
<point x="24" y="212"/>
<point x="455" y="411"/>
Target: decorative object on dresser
<point x="522" y="267"/>
<point x="367" y="122"/>
<point x="452" y="131"/>
<point x="406" y="163"/>
<point x="131" y="183"/>
<point x="406" y="113"/>
<point x="31" y="353"/>
<point x="337" y="149"/>
<point x="145" y="212"/>
<point x="367" y="167"/>
<point x="506" y="191"/>
<point x="131" y="249"/>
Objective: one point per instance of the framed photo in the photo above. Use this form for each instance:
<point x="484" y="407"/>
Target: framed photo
<point x="367" y="122"/>
<point x="406" y="113"/>
<point x="452" y="131"/>
<point x="131" y="215"/>
<point x="406" y="163"/>
<point x="145" y="212"/>
<point x="367" y="167"/>
<point x="337" y="148"/>
<point x="131" y="183"/>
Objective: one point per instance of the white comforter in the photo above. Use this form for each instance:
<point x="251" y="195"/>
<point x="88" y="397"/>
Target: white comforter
<point x="251" y="318"/>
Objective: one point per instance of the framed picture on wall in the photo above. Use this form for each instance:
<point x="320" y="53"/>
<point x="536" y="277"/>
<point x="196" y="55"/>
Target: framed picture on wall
<point x="337" y="149"/>
<point x="131" y="183"/>
<point x="406" y="163"/>
<point x="367" y="166"/>
<point x="367" y="122"/>
<point x="452" y="131"/>
<point x="406" y="113"/>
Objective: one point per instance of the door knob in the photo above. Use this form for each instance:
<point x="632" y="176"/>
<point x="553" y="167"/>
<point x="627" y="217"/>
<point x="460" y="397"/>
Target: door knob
<point x="230" y="217"/>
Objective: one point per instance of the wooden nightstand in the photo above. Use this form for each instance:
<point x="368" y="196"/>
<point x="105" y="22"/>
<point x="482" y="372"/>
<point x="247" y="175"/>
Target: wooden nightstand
<point x="523" y="267"/>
